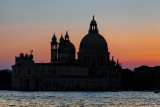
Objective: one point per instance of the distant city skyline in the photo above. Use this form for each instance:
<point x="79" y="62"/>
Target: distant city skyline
<point x="131" y="28"/>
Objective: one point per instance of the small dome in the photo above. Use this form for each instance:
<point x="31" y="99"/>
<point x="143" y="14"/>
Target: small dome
<point x="93" y="42"/>
<point x="67" y="47"/>
<point x="21" y="55"/>
<point x="26" y="55"/>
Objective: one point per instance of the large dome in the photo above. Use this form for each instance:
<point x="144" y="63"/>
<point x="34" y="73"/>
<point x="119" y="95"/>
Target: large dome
<point x="93" y="41"/>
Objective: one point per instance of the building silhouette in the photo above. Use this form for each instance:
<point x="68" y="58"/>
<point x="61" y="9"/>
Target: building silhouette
<point x="5" y="79"/>
<point x="147" y="78"/>
<point x="92" y="71"/>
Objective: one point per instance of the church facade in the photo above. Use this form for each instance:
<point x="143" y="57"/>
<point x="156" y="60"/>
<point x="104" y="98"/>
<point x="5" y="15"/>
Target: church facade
<point x="92" y="71"/>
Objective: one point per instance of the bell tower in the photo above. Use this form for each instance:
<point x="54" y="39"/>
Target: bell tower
<point x="54" y="48"/>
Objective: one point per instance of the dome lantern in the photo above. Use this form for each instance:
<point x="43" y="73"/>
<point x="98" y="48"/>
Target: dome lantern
<point x="54" y="39"/>
<point x="93" y="26"/>
<point x="66" y="36"/>
<point x="61" y="39"/>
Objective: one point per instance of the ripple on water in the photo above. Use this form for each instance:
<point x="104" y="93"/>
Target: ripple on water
<point x="78" y="99"/>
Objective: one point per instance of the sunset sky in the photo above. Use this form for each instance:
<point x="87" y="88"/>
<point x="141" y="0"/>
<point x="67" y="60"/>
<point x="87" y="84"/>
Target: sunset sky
<point x="130" y="27"/>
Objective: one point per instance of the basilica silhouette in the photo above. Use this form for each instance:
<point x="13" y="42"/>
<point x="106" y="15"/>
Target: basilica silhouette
<point x="93" y="70"/>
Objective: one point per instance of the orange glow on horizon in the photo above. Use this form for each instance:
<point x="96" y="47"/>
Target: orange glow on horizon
<point x="127" y="45"/>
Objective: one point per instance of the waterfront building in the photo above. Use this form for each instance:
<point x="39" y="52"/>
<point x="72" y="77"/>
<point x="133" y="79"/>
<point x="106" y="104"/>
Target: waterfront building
<point x="92" y="71"/>
<point x="147" y="78"/>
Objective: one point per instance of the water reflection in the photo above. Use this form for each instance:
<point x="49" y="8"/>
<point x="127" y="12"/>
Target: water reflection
<point x="78" y="99"/>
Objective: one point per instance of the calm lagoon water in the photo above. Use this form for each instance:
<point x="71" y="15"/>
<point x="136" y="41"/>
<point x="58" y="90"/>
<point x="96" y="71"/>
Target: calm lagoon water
<point x="78" y="99"/>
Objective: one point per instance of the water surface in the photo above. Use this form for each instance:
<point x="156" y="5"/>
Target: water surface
<point x="78" y="99"/>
